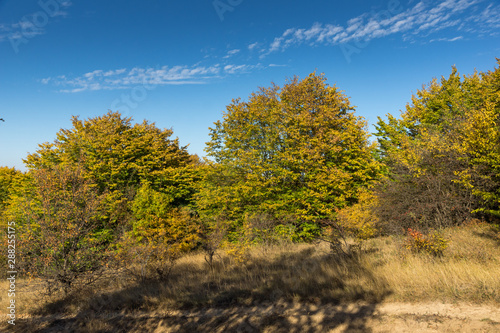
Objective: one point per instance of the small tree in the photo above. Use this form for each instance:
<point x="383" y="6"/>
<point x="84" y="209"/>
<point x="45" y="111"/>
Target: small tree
<point x="352" y="225"/>
<point x="60" y="233"/>
<point x="212" y="236"/>
<point x="161" y="232"/>
<point x="424" y="189"/>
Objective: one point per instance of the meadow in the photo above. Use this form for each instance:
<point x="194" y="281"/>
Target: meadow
<point x="288" y="287"/>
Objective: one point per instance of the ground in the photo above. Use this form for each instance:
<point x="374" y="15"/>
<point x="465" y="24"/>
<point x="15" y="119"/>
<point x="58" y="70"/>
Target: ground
<point x="286" y="317"/>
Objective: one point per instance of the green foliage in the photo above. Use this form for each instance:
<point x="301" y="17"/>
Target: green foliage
<point x="296" y="152"/>
<point x="161" y="232"/>
<point x="444" y="153"/>
<point x="7" y="181"/>
<point x="157" y="221"/>
<point x="118" y="157"/>
<point x="114" y="158"/>
<point x="58" y="226"/>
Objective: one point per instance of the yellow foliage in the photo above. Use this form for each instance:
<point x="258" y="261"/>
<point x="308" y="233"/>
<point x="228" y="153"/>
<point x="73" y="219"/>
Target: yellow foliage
<point x="297" y="150"/>
<point x="239" y="251"/>
<point x="360" y="219"/>
<point x="449" y="133"/>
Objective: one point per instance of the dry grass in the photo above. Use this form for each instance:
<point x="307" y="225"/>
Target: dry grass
<point x="299" y="275"/>
<point x="304" y="273"/>
<point x="468" y="272"/>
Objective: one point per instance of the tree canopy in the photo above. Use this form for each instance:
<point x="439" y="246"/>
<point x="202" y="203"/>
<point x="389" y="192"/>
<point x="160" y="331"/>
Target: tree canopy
<point x="446" y="149"/>
<point x="117" y="153"/>
<point x="297" y="151"/>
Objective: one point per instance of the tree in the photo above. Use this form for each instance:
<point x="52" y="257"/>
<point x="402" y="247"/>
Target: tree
<point x="443" y="153"/>
<point x="117" y="153"/>
<point x="119" y="156"/>
<point x="8" y="178"/>
<point x="297" y="151"/>
<point x="142" y="180"/>
<point x="58" y="219"/>
<point x="161" y="231"/>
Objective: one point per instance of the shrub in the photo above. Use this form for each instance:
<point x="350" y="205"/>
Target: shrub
<point x="212" y="236"/>
<point x="161" y="240"/>
<point x="443" y="154"/>
<point x="360" y="220"/>
<point x="60" y="226"/>
<point x="433" y="243"/>
<point x="238" y="251"/>
<point x="161" y="232"/>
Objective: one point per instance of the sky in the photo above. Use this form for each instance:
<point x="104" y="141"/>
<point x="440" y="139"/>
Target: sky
<point x="180" y="63"/>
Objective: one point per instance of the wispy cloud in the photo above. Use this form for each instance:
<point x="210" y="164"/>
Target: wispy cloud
<point x="454" y="39"/>
<point x="422" y="19"/>
<point x="126" y="78"/>
<point x="33" y="24"/>
<point x="253" y="46"/>
<point x="231" y="53"/>
<point x="488" y="19"/>
<point x="239" y="69"/>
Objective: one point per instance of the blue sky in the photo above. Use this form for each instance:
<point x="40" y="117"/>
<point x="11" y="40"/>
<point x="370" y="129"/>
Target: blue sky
<point x="179" y="63"/>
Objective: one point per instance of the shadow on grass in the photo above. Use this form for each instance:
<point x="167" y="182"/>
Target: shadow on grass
<point x="492" y="232"/>
<point x="298" y="291"/>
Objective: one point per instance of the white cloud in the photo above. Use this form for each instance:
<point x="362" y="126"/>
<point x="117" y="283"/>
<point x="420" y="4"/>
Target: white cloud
<point x="126" y="78"/>
<point x="454" y="39"/>
<point x="29" y="25"/>
<point x="231" y="53"/>
<point x="422" y="19"/>
<point x="253" y="46"/>
<point x="115" y="72"/>
<point x="490" y="16"/>
<point x="75" y="90"/>
<point x="276" y="44"/>
<point x="235" y="69"/>
<point x="93" y="74"/>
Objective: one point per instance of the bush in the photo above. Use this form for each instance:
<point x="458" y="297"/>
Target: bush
<point x="59" y="221"/>
<point x="212" y="236"/>
<point x="160" y="233"/>
<point x="432" y="243"/>
<point x="424" y="189"/>
<point x="360" y="220"/>
<point x="443" y="154"/>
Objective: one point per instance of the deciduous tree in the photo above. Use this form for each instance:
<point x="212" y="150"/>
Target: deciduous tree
<point x="293" y="151"/>
<point x="60" y="236"/>
<point x="444" y="153"/>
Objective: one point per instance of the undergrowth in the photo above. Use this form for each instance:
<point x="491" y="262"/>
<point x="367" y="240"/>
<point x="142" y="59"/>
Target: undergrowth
<point x="383" y="270"/>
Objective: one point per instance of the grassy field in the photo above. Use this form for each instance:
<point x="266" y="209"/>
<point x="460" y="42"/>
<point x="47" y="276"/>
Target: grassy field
<point x="286" y="288"/>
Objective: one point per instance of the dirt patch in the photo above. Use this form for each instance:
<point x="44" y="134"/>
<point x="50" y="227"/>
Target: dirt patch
<point x="436" y="317"/>
<point x="282" y="317"/>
